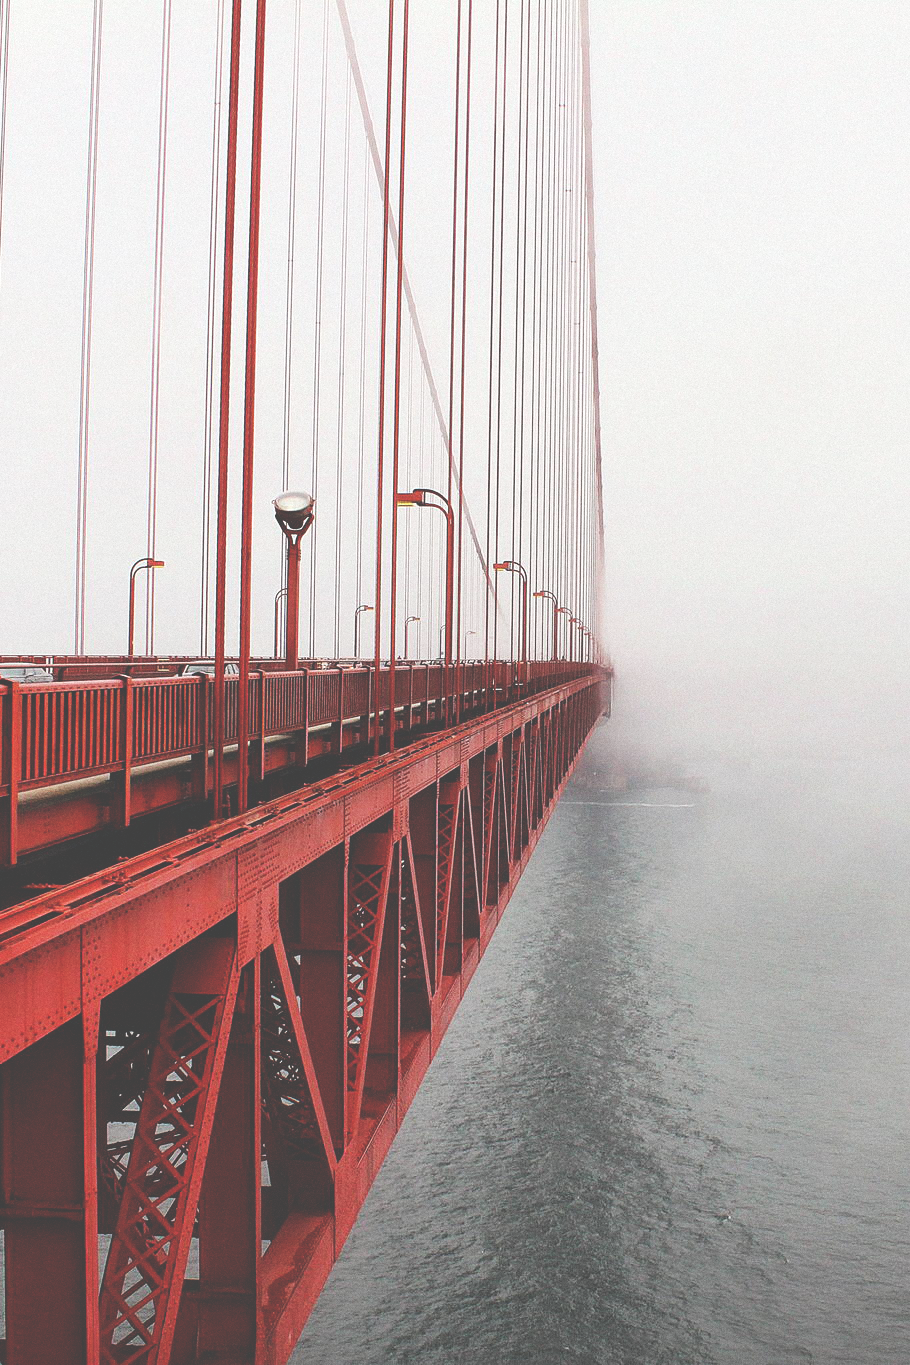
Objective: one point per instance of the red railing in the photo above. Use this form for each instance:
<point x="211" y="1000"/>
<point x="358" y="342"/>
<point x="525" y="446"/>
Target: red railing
<point x="59" y="732"/>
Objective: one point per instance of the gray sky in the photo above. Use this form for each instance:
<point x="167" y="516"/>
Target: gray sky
<point x="752" y="203"/>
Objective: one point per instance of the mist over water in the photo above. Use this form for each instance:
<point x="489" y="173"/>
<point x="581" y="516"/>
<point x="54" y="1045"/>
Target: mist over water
<point x="669" y="1123"/>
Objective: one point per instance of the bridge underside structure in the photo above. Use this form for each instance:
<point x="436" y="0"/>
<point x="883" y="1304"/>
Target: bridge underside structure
<point x="208" y="1049"/>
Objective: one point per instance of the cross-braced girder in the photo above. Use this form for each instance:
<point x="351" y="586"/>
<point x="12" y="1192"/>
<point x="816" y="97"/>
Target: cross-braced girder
<point x="157" y="1206"/>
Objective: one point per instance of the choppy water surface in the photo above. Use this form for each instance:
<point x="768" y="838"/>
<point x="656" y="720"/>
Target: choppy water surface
<point x="670" y="1121"/>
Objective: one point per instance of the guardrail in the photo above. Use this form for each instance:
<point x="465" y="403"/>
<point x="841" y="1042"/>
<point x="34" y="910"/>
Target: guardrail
<point x="53" y="733"/>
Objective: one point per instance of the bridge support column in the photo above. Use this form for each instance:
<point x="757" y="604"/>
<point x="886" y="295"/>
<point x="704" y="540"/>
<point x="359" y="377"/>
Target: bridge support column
<point x="313" y="910"/>
<point x="230" y="1220"/>
<point x="51" y="1226"/>
<point x="422" y="818"/>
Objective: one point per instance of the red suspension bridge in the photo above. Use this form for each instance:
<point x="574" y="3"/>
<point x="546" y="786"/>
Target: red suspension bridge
<point x="346" y="248"/>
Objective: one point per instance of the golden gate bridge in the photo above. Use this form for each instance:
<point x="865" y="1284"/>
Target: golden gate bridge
<point x="250" y="248"/>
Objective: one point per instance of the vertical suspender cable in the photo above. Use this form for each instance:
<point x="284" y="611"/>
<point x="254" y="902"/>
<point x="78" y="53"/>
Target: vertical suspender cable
<point x="551" y="414"/>
<point x="249" y="419"/>
<point x="209" y="422"/>
<point x="230" y="204"/>
<point x="568" y="329"/>
<point x="546" y="493"/>
<point x="380" y="450"/>
<point x="559" y="187"/>
<point x="528" y="250"/>
<point x="521" y="219"/>
<point x="454" y="267"/>
<point x="453" y="310"/>
<point x="361" y="403"/>
<point x="88" y="291"/>
<point x="534" y="508"/>
<point x="409" y="479"/>
<point x="314" y="536"/>
<point x="342" y="350"/>
<point x="500" y="311"/>
<point x="497" y="152"/>
<point x="289" y="284"/>
<point x="158" y="276"/>
<point x="396" y="432"/>
<point x="592" y="306"/>
<point x="463" y="356"/>
<point x="564" y="296"/>
<point x="423" y="445"/>
<point x="577" y="315"/>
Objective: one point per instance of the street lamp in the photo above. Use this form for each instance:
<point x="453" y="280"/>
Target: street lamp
<point x="575" y="621"/>
<point x="137" y="568"/>
<point x="419" y="497"/>
<point x="560" y="611"/>
<point x="466" y="634"/>
<point x="513" y="566"/>
<point x="357" y="614"/>
<point x="551" y="597"/>
<point x="408" y="621"/>
<point x="294" y="513"/>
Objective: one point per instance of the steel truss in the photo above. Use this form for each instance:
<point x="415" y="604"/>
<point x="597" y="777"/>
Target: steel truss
<point x="207" y="1050"/>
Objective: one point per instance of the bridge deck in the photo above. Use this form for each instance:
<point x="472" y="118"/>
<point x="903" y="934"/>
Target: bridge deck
<point x="80" y="757"/>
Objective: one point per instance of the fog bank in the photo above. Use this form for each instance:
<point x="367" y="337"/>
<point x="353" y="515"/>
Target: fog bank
<point x="753" y="220"/>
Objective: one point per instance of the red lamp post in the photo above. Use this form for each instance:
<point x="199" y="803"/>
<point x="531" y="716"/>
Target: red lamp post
<point x="408" y="620"/>
<point x="513" y="566"/>
<point x="560" y="611"/>
<point x="294" y="513"/>
<point x="364" y="606"/>
<point x="575" y="621"/>
<point x="551" y="597"/>
<point x="420" y="497"/>
<point x="137" y="568"/>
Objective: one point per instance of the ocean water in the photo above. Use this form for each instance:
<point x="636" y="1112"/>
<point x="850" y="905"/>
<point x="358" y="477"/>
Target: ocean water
<point x="669" y="1124"/>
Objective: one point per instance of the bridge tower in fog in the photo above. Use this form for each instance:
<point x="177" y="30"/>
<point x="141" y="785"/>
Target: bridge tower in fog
<point x="306" y="637"/>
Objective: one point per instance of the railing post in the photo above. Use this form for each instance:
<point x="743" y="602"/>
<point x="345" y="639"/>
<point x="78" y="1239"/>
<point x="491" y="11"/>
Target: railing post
<point x="341" y="678"/>
<point x="11" y="751"/>
<point x="306" y="717"/>
<point x="257" y="758"/>
<point x="363" y="730"/>
<point x="126" y="749"/>
<point x="199" y="763"/>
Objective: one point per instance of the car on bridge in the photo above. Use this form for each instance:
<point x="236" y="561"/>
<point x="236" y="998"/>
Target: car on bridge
<point x="205" y="668"/>
<point x="25" y="672"/>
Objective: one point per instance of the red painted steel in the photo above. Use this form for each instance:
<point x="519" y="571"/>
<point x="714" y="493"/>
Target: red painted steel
<point x="55" y="735"/>
<point x="227" y="315"/>
<point x="249" y="410"/>
<point x="206" y="1050"/>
